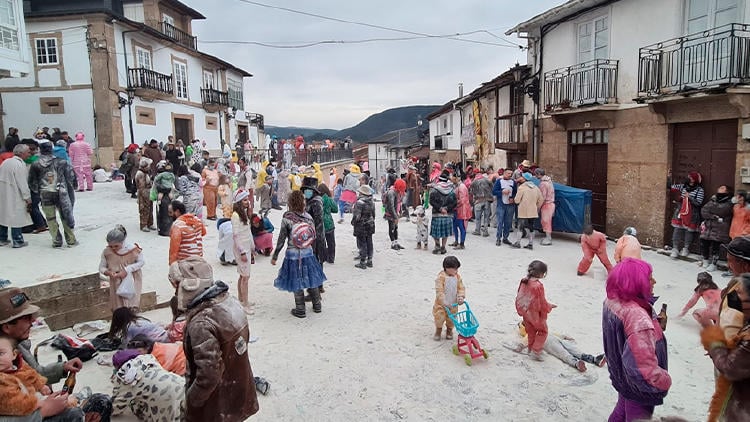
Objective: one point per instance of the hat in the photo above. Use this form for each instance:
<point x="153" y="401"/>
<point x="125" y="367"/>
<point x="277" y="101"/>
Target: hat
<point x="443" y="176"/>
<point x="399" y="185"/>
<point x="365" y="190"/>
<point x="61" y="143"/>
<point x="309" y="183"/>
<point x="739" y="247"/>
<point x="631" y="231"/>
<point x="132" y="148"/>
<point x="14" y="304"/>
<point x="79" y="136"/>
<point x="527" y="176"/>
<point x="525" y="163"/>
<point x="170" y="142"/>
<point x="240" y="195"/>
<point x="153" y="141"/>
<point x="192" y="275"/>
<point x="354" y="168"/>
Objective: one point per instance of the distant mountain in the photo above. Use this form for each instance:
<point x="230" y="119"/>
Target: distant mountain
<point x="310" y="134"/>
<point x="386" y="121"/>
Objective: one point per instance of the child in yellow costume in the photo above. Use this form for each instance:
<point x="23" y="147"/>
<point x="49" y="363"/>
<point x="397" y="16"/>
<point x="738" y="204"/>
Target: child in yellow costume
<point x="262" y="175"/>
<point x="449" y="290"/>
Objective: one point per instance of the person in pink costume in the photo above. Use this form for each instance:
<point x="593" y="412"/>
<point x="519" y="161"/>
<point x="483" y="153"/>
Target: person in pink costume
<point x="547" y="211"/>
<point x="80" y="156"/>
<point x="628" y="245"/>
<point x="593" y="243"/>
<point x="711" y="294"/>
<point x="532" y="306"/>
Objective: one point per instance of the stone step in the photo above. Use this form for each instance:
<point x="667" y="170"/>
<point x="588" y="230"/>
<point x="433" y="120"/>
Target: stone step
<point x="63" y="287"/>
<point x="99" y="309"/>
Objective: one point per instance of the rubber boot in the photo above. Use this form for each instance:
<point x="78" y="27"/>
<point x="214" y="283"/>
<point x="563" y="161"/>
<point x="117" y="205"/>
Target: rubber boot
<point x="299" y="304"/>
<point x="315" y="294"/>
<point x="438" y="334"/>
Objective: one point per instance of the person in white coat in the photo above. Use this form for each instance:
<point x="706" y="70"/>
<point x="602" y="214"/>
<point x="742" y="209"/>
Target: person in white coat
<point x="16" y="197"/>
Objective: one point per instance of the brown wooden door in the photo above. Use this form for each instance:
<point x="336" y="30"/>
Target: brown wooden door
<point x="589" y="171"/>
<point x="183" y="129"/>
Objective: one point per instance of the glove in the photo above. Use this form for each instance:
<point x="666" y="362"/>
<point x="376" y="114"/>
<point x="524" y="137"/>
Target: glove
<point x="712" y="337"/>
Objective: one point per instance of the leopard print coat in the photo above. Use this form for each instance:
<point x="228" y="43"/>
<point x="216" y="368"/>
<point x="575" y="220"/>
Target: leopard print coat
<point x="151" y="392"/>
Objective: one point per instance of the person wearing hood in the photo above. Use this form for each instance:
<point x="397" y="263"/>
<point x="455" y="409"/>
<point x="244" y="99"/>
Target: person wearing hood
<point x="547" y="210"/>
<point x="390" y="177"/>
<point x="295" y="178"/>
<point x="185" y="235"/>
<point x="435" y="173"/>
<point x="218" y="378"/>
<point x="363" y="221"/>
<point x="61" y="150"/>
<point x="392" y="201"/>
<point x="80" y="154"/>
<point x="54" y="181"/>
<point x="687" y="215"/>
<point x="529" y="199"/>
<point x="717" y="218"/>
<point x="163" y="192"/>
<point x="443" y="202"/>
<point x="143" y="186"/>
<point x="351" y="185"/>
<point x="317" y="172"/>
<point x="188" y="185"/>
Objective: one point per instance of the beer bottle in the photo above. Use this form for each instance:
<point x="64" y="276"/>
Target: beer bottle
<point x="70" y="383"/>
<point x="662" y="317"/>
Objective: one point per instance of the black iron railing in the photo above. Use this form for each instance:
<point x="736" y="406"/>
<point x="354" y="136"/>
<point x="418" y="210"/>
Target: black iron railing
<point x="592" y="82"/>
<point x="708" y="59"/>
<point x="179" y="36"/>
<point x="141" y="78"/>
<point x="214" y="97"/>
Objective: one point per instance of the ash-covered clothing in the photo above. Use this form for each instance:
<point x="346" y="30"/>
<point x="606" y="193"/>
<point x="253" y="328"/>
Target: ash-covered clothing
<point x="481" y="189"/>
<point x="734" y="365"/>
<point x="300" y="269"/>
<point x="192" y="195"/>
<point x="636" y="351"/>
<point x="717" y="218"/>
<point x="392" y="203"/>
<point x="147" y="328"/>
<point x="225" y="247"/>
<point x="19" y="388"/>
<point x="423" y="228"/>
<point x="687" y="215"/>
<point x="627" y="247"/>
<point x="54" y="181"/>
<point x="164" y="182"/>
<point x="54" y="372"/>
<point x="186" y="238"/>
<point x="242" y="238"/>
<point x="594" y="244"/>
<point x="14" y="189"/>
<point x="363" y="216"/>
<point x="314" y="207"/>
<point x="447" y="290"/>
<point x="145" y="205"/>
<point x="712" y="298"/>
<point x="740" y="221"/>
<point x="283" y="188"/>
<point x="532" y="306"/>
<point x="151" y="392"/>
<point x="130" y="259"/>
<point x="225" y="196"/>
<point x="264" y="196"/>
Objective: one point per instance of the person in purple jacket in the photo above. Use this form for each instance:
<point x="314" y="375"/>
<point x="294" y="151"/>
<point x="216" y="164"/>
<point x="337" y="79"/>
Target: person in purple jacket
<point x="634" y="343"/>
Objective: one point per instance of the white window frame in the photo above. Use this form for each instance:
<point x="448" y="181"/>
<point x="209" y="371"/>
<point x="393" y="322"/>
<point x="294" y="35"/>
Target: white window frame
<point x="180" y="86"/>
<point x="234" y="87"/>
<point x="46" y="53"/>
<point x="167" y="19"/>
<point x="711" y="13"/>
<point x="209" y="80"/>
<point x="592" y="43"/>
<point x="9" y="30"/>
<point x="143" y="58"/>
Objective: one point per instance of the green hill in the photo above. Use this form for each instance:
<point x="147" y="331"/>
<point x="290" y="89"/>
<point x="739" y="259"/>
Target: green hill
<point x="387" y="121"/>
<point x="311" y="134"/>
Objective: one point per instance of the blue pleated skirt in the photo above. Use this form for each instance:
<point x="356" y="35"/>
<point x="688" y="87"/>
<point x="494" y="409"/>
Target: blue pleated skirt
<point x="300" y="270"/>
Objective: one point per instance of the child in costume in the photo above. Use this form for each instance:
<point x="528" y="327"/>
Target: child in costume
<point x="593" y="243"/>
<point x="21" y="387"/>
<point x="423" y="226"/>
<point x="225" y="195"/>
<point x="533" y="307"/>
<point x="262" y="230"/>
<point x="711" y="294"/>
<point x="449" y="290"/>
<point x="150" y="392"/>
<point x="564" y="348"/>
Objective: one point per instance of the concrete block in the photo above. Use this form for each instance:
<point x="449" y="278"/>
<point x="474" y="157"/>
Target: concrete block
<point x="62" y="287"/>
<point x="59" y="321"/>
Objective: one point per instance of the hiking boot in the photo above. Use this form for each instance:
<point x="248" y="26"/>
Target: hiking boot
<point x="674" y="254"/>
<point x="448" y="333"/>
<point x="438" y="334"/>
<point x="685" y="252"/>
<point x="530" y="246"/>
<point x="361" y="265"/>
<point x="299" y="304"/>
<point x="516" y="245"/>
<point x="315" y="294"/>
<point x="369" y="263"/>
<point x="443" y="251"/>
<point x="507" y="242"/>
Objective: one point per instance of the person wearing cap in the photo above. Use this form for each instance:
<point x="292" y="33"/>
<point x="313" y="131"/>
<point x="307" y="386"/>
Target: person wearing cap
<point x="154" y="153"/>
<point x="185" y="235"/>
<point x="244" y="248"/>
<point x="219" y="379"/>
<point x="54" y="180"/>
<point x="529" y="199"/>
<point x="443" y="203"/>
<point x="14" y="189"/>
<point x="80" y="155"/>
<point x="524" y="167"/>
<point x="363" y="220"/>
<point x="628" y="245"/>
<point x="16" y="315"/>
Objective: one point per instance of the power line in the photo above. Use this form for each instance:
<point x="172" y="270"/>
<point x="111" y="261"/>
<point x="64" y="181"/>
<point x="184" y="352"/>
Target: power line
<point x="369" y="25"/>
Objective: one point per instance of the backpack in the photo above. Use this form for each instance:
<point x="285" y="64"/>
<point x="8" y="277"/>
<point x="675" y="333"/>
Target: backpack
<point x="49" y="182"/>
<point x="302" y="233"/>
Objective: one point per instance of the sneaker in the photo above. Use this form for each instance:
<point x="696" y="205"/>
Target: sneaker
<point x="537" y="356"/>
<point x="546" y="242"/>
<point x="530" y="246"/>
<point x="20" y="245"/>
<point x="145" y="229"/>
<point x="685" y="252"/>
<point x="711" y="268"/>
<point x="507" y="242"/>
<point x="361" y="265"/>
<point x="600" y="360"/>
<point x="516" y="245"/>
<point x="4" y="242"/>
<point x="674" y="254"/>
<point x="476" y="233"/>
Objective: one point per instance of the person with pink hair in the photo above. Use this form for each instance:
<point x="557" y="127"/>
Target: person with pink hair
<point x="634" y="342"/>
<point x="80" y="156"/>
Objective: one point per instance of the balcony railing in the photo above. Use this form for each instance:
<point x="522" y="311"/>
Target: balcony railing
<point x="141" y="78"/>
<point x="179" y="36"/>
<point x="511" y="129"/>
<point x="592" y="82"/>
<point x="255" y="119"/>
<point x="709" y="59"/>
<point x="214" y="97"/>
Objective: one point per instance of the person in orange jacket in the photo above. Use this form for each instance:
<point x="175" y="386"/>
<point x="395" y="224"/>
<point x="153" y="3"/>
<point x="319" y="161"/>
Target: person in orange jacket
<point x="593" y="243"/>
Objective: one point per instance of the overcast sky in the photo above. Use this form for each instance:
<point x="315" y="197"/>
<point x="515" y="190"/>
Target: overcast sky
<point x="337" y="86"/>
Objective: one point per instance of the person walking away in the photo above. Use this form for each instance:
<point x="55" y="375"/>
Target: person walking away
<point x="504" y="190"/>
<point x="264" y="194"/>
<point x="443" y="203"/>
<point x="39" y="223"/>
<point x="143" y="186"/>
<point x="547" y="211"/>
<point x="634" y="342"/>
<point x="593" y="243"/>
<point x="628" y="245"/>
<point x="392" y="203"/>
<point x="329" y="208"/>
<point x="244" y="248"/>
<point x="80" y="154"/>
<point x="481" y="191"/>
<point x="529" y="199"/>
<point x="711" y="295"/>
<point x="300" y="269"/>
<point x="533" y="307"/>
<point x="337" y="191"/>
<point x="363" y="220"/>
<point x="462" y="213"/>
<point x="717" y="218"/>
<point x="129" y="168"/>
<point x="186" y="234"/>
<point x="162" y="193"/>
<point x="224" y="192"/>
<point x="218" y="378"/>
<point x="188" y="185"/>
<point x="55" y="182"/>
<point x="210" y="189"/>
<point x="14" y="189"/>
<point x="61" y="151"/>
<point x="449" y="293"/>
<point x="687" y="215"/>
<point x="120" y="261"/>
<point x="314" y="207"/>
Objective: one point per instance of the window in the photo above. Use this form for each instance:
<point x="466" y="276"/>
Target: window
<point x="208" y="79"/>
<point x="51" y="105"/>
<point x="46" y="51"/>
<point x="235" y="91"/>
<point x="589" y="136"/>
<point x="8" y="26"/>
<point x="593" y="39"/>
<point x="706" y="14"/>
<point x="143" y="58"/>
<point x="180" y="80"/>
<point x="169" y="28"/>
<point x="145" y="116"/>
<point x="167" y="19"/>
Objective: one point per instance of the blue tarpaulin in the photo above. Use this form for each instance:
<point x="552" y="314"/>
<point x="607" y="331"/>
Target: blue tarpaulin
<point x="572" y="208"/>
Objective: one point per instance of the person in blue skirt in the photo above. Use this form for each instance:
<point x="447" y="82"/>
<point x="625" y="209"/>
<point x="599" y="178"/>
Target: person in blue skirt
<point x="300" y="269"/>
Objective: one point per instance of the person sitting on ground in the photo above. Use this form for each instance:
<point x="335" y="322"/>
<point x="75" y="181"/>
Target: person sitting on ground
<point x="564" y="348"/>
<point x="711" y="294"/>
<point x="101" y="175"/>
<point x="151" y="392"/>
<point x="262" y="230"/>
<point x="126" y="324"/>
<point x="628" y="245"/>
<point x="171" y="356"/>
<point x="593" y="243"/>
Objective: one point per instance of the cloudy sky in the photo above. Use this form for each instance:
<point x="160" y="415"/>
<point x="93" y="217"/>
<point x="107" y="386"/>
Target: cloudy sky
<point x="336" y="86"/>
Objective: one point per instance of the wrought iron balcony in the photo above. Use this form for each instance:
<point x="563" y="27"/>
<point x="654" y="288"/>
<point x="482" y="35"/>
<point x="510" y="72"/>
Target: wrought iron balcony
<point x="213" y="97"/>
<point x="592" y="82"/>
<point x="179" y="36"/>
<point x="709" y="59"/>
<point x="146" y="79"/>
